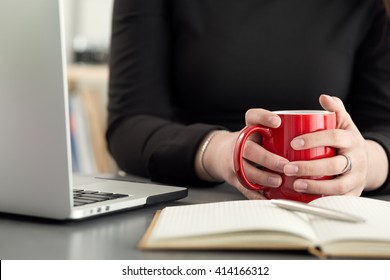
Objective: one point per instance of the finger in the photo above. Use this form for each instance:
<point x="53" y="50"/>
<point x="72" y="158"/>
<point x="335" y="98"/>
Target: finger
<point x="262" y="117"/>
<point x="320" y="167"/>
<point x="261" y="177"/>
<point x="336" y="138"/>
<point x="249" y="194"/>
<point x="260" y="156"/>
<point x="342" y="185"/>
<point x="334" y="104"/>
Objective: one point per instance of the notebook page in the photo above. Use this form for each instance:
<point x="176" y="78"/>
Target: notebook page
<point x="228" y="217"/>
<point x="376" y="214"/>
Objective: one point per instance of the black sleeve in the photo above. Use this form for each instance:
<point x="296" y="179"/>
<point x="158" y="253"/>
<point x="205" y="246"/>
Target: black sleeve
<point x="142" y="134"/>
<point x="369" y="101"/>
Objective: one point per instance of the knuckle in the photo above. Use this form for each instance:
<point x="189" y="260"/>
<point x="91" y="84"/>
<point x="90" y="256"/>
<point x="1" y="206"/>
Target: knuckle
<point x="249" y="150"/>
<point x="248" y="114"/>
<point x="348" y="116"/>
<point x="267" y="160"/>
<point x="252" y="173"/>
<point x="341" y="187"/>
<point x="335" y="136"/>
<point x="255" y="116"/>
<point x="250" y="117"/>
<point x="307" y="169"/>
<point x="338" y="100"/>
<point x="358" y="139"/>
<point x="304" y="169"/>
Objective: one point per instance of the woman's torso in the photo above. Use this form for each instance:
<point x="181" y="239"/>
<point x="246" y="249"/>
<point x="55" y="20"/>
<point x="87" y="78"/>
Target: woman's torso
<point x="229" y="55"/>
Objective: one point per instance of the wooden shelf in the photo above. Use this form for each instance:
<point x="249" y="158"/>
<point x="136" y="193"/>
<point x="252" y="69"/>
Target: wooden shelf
<point x="84" y="72"/>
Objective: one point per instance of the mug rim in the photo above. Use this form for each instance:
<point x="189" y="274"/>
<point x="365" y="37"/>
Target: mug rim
<point x="302" y="112"/>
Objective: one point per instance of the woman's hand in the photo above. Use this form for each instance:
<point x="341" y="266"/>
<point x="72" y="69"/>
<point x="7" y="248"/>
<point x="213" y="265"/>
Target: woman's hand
<point x="369" y="161"/>
<point x="218" y="157"/>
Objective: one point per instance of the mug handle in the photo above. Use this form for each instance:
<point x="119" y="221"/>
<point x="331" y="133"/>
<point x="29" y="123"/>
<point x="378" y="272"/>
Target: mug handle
<point x="239" y="150"/>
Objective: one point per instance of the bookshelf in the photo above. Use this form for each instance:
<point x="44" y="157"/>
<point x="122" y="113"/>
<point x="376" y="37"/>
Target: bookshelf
<point x="88" y="101"/>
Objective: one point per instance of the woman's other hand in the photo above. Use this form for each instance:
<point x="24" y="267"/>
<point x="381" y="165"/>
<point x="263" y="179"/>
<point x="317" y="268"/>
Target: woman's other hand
<point x="369" y="162"/>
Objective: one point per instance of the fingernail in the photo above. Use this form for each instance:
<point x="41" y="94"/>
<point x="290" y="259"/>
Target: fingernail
<point x="297" y="143"/>
<point x="290" y="169"/>
<point x="274" y="181"/>
<point x="274" y="121"/>
<point x="300" y="186"/>
<point x="280" y="165"/>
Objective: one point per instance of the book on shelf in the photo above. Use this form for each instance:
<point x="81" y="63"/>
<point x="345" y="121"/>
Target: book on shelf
<point x="94" y="109"/>
<point x="87" y="124"/>
<point x="260" y="225"/>
<point x="83" y="160"/>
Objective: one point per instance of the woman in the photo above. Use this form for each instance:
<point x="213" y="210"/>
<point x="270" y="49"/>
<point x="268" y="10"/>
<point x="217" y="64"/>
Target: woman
<point x="180" y="70"/>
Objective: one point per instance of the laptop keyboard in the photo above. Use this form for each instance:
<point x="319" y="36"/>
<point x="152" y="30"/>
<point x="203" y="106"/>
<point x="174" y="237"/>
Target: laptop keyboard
<point x="82" y="197"/>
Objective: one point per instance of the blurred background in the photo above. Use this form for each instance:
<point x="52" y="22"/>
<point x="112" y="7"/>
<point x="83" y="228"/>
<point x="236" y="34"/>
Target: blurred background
<point x="88" y="30"/>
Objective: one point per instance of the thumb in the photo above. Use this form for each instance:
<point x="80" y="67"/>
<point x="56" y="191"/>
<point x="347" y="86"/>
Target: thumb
<point x="334" y="104"/>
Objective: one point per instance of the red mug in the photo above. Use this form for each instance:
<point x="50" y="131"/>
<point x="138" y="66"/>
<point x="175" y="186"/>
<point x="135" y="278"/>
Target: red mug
<point x="277" y="141"/>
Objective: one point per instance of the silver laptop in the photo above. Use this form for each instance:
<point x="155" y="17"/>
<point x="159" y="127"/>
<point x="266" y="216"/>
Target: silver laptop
<point x="35" y="156"/>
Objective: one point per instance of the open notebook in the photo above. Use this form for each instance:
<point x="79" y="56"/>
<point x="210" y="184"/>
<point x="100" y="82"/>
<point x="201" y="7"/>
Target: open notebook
<point x="260" y="225"/>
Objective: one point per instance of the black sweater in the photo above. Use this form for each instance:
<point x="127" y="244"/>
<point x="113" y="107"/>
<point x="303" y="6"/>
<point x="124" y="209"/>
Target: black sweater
<point x="180" y="68"/>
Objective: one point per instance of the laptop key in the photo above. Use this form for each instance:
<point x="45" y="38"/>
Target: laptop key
<point x="89" y="192"/>
<point x="75" y="203"/>
<point x="93" y="198"/>
<point x="82" y="197"/>
<point x="86" y="201"/>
